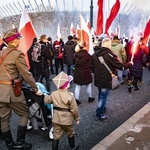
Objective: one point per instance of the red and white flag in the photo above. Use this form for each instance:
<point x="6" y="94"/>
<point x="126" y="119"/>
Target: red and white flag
<point x="147" y="32"/>
<point x="113" y="13"/>
<point x="26" y="29"/>
<point x="100" y="17"/>
<point x="86" y="36"/>
<point x="118" y="31"/>
<point x="72" y="29"/>
<point x="78" y="32"/>
<point x="58" y="32"/>
<point x="88" y="23"/>
<point x="1" y="41"/>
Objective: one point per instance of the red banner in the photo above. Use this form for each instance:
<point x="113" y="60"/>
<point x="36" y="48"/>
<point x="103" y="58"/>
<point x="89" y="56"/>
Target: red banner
<point x="113" y="13"/>
<point x="99" y="29"/>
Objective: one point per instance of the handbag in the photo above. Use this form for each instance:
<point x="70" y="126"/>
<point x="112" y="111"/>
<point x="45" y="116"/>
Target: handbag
<point x="114" y="82"/>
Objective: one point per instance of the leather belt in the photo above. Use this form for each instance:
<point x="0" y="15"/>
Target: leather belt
<point x="61" y="109"/>
<point x="5" y="82"/>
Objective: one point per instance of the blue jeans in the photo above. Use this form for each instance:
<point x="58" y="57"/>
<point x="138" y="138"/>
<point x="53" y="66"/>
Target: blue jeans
<point x="102" y="101"/>
<point x="119" y="74"/>
<point x="70" y="69"/>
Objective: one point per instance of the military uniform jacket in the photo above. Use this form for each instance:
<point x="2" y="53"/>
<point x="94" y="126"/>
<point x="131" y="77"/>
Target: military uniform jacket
<point x="62" y="98"/>
<point x="14" y="63"/>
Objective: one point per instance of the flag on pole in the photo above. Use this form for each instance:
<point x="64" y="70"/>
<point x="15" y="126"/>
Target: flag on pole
<point x="86" y="36"/>
<point x="100" y="18"/>
<point x="1" y="41"/>
<point x="27" y="31"/>
<point x="113" y="13"/>
<point x="72" y="29"/>
<point x="58" y="32"/>
<point x="118" y="31"/>
<point x="78" y="32"/>
<point x="88" y="23"/>
<point x="146" y="31"/>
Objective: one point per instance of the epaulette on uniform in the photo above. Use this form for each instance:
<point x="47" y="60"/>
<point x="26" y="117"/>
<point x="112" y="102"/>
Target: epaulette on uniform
<point x="110" y="55"/>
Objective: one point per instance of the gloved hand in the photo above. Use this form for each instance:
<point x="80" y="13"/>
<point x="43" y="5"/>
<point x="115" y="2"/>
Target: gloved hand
<point x="39" y="92"/>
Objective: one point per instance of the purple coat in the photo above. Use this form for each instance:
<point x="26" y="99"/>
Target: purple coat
<point x="139" y="61"/>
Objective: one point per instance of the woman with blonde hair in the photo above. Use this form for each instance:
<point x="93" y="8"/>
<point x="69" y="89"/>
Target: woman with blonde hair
<point x="82" y="73"/>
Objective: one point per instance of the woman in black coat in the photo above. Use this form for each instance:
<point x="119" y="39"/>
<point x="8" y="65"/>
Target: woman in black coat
<point x="136" y="71"/>
<point x="82" y="72"/>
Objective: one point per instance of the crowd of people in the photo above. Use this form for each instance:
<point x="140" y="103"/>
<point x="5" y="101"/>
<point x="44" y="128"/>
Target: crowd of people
<point x="47" y="57"/>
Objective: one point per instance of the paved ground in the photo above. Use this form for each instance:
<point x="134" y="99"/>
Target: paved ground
<point x="134" y="134"/>
<point x="121" y="106"/>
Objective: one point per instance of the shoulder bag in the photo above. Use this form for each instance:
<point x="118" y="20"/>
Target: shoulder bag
<point x="115" y="82"/>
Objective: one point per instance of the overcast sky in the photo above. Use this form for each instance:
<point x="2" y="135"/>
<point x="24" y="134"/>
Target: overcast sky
<point x="83" y="5"/>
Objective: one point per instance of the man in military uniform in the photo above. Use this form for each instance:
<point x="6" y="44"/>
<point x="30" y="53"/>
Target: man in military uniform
<point x="12" y="64"/>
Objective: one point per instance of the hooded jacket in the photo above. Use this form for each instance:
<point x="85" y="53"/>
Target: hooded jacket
<point x="82" y="73"/>
<point x="102" y="77"/>
<point x="118" y="49"/>
<point x="69" y="50"/>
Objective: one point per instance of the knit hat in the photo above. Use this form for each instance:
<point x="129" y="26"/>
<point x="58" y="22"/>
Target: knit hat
<point x="80" y="46"/>
<point x="11" y="35"/>
<point x="62" y="80"/>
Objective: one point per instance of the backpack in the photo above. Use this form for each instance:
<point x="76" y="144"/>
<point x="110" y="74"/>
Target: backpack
<point x="36" y="54"/>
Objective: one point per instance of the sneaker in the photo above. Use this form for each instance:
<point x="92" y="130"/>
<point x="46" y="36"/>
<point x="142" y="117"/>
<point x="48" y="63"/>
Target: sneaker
<point x="103" y="117"/>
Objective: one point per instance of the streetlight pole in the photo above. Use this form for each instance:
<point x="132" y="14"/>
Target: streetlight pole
<point x="91" y="14"/>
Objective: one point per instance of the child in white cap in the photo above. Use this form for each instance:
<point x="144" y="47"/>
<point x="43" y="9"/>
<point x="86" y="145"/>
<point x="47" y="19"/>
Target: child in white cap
<point x="65" y="111"/>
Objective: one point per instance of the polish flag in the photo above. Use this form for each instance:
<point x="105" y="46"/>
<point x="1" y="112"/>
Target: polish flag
<point x="100" y="17"/>
<point x="72" y="29"/>
<point x="26" y="29"/>
<point x="118" y="31"/>
<point x="86" y="36"/>
<point x="111" y="33"/>
<point x="88" y="23"/>
<point x="113" y="13"/>
<point x="58" y="32"/>
<point x="1" y="41"/>
<point x="147" y="31"/>
<point x="78" y="32"/>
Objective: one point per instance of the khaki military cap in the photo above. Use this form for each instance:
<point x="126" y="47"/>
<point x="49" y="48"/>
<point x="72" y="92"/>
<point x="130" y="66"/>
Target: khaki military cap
<point x="11" y="35"/>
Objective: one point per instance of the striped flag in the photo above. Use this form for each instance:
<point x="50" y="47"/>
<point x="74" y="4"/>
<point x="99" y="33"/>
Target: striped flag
<point x="72" y="29"/>
<point x="86" y="36"/>
<point x="100" y="17"/>
<point x="1" y="41"/>
<point x="27" y="31"/>
<point x="78" y="32"/>
<point x="58" y="32"/>
<point x="113" y="13"/>
<point x="147" y="31"/>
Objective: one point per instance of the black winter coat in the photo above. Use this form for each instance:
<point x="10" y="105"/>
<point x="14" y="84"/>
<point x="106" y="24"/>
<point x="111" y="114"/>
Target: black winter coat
<point x="102" y="77"/>
<point x="43" y="64"/>
<point x="82" y="73"/>
<point x="69" y="50"/>
<point x="139" y="61"/>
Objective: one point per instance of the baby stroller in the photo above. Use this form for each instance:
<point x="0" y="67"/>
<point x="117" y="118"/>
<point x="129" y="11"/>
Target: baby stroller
<point x="38" y="110"/>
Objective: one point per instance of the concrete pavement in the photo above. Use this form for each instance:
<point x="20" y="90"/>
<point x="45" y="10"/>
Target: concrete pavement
<point x="133" y="134"/>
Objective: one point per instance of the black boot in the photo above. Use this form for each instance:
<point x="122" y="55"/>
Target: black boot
<point x="8" y="140"/>
<point x="21" y="144"/>
<point x="130" y="88"/>
<point x="55" y="144"/>
<point x="91" y="99"/>
<point x="72" y="143"/>
<point x="78" y="102"/>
